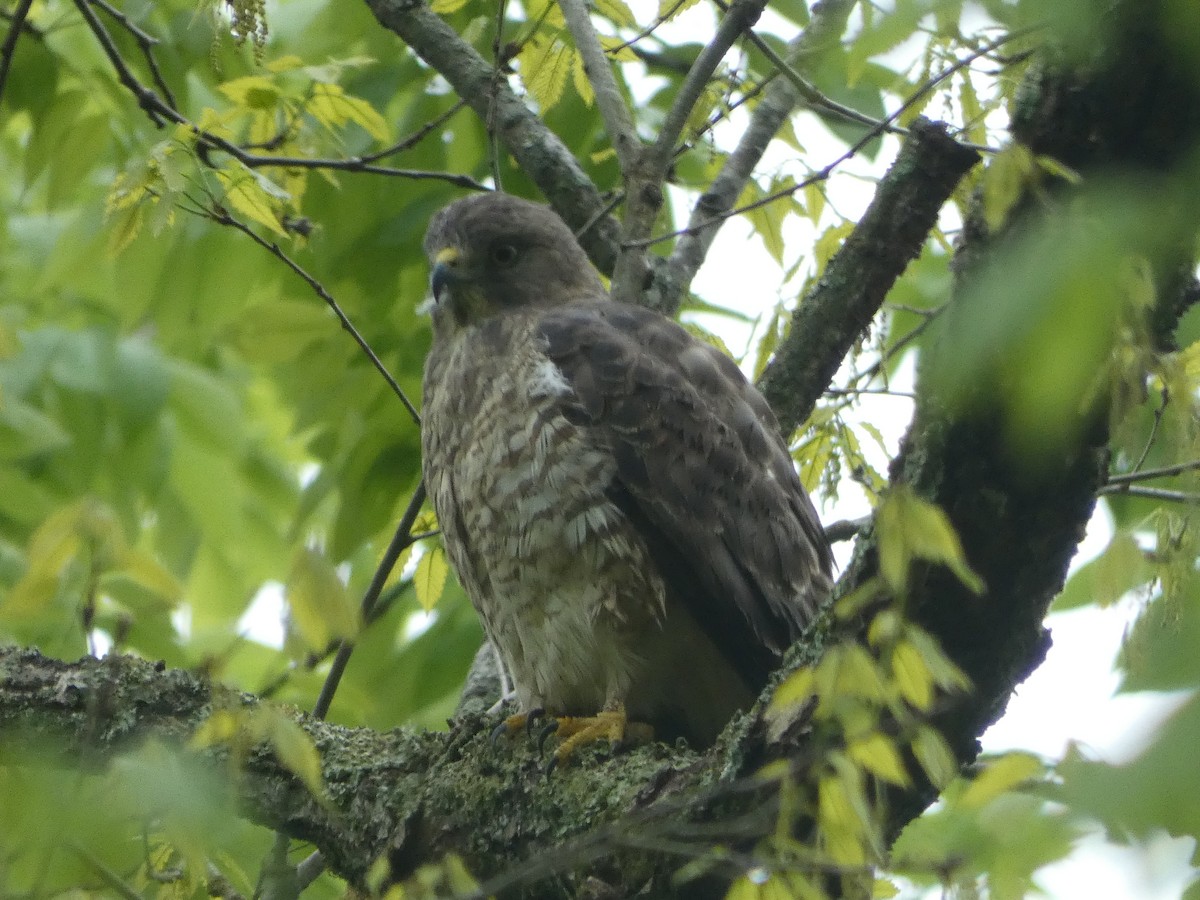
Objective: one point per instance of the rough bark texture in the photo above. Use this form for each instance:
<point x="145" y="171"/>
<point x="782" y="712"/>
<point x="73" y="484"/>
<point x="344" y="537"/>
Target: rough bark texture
<point x="890" y="234"/>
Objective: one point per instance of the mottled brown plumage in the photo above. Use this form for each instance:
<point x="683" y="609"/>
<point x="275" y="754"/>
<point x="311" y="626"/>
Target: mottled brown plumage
<point x="612" y="492"/>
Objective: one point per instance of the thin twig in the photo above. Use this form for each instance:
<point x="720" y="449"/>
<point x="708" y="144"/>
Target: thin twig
<point x="111" y="878"/>
<point x="20" y="14"/>
<point x="846" y="529"/>
<point x="146" y="42"/>
<point x="740" y="15"/>
<point x="221" y="217"/>
<point x="161" y="112"/>
<point x="613" y="109"/>
<point x="818" y="101"/>
<point x="777" y="104"/>
<point x="400" y="540"/>
<point x="1158" y="416"/>
<point x="407" y="143"/>
<point x="650" y="29"/>
<point x="1145" y="474"/>
<point x="824" y="173"/>
<point x="353" y="164"/>
<point x="1150" y="493"/>
<point x="880" y="392"/>
<point x="644" y="182"/>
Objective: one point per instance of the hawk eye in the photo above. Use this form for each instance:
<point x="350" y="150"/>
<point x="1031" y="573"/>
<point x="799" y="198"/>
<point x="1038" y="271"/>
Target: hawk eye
<point x="504" y="254"/>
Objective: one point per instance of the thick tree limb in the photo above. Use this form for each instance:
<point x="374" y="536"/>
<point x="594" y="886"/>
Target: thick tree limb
<point x="409" y="794"/>
<point x="857" y="279"/>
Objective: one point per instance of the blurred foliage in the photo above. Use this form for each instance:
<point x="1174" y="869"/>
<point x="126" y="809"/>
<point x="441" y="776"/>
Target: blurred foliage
<point x="186" y="428"/>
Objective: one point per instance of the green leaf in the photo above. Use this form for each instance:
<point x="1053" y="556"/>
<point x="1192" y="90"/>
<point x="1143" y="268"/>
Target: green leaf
<point x="910" y="529"/>
<point x="1157" y="790"/>
<point x="430" y="577"/>
<point x="579" y="78"/>
<point x="321" y="606"/>
<point x="913" y="677"/>
<point x="1004" y="182"/>
<point x="934" y="756"/>
<point x="669" y="9"/>
<point x="617" y="12"/>
<point x="245" y="192"/>
<point x="998" y="776"/>
<point x="333" y="107"/>
<point x="794" y="691"/>
<point x="27" y="432"/>
<point x="296" y="751"/>
<point x="545" y="65"/>
<point x="878" y="755"/>
<point x="252" y="92"/>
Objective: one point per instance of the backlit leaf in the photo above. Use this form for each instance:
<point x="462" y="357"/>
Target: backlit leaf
<point x="878" y="755"/>
<point x="430" y="577"/>
<point x="321" y="606"/>
<point x="911" y="528"/>
<point x="1000" y="775"/>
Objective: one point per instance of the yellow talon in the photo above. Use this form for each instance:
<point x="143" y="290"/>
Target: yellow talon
<point x="612" y="725"/>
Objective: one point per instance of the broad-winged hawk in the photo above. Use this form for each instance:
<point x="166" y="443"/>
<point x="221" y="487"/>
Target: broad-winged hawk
<point x="613" y="494"/>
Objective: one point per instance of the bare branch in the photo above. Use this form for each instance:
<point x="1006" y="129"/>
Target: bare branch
<point x="1150" y="493"/>
<point x="353" y="164"/>
<point x="644" y="182"/>
<point x="402" y="539"/>
<point x="1146" y="474"/>
<point x="779" y="101"/>
<point x="221" y="217"/>
<point x="613" y="110"/>
<point x="145" y="42"/>
<point x="161" y="112"/>
<point x="739" y="18"/>
<point x="20" y="14"/>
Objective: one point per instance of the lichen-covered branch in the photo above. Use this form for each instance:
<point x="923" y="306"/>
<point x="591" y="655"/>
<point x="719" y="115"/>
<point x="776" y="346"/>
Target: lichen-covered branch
<point x="617" y="119"/>
<point x="411" y="795"/>
<point x="832" y="316"/>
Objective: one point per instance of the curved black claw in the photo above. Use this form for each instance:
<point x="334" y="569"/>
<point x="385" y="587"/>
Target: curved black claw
<point x="499" y="731"/>
<point x="548" y="729"/>
<point x="533" y="717"/>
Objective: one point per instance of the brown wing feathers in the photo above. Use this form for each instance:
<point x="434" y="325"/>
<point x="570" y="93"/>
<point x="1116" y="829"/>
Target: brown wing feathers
<point x="710" y="489"/>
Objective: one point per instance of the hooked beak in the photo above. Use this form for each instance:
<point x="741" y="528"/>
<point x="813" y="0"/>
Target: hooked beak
<point x="445" y="270"/>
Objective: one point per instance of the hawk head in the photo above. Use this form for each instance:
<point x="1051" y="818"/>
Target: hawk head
<point x="494" y="252"/>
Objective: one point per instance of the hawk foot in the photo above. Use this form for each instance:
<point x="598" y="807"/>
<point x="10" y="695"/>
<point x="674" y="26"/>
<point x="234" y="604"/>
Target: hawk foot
<point x="520" y="722"/>
<point x="612" y="725"/>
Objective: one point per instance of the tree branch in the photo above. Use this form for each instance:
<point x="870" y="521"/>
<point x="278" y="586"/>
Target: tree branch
<point x="539" y="152"/>
<point x="10" y="40"/>
<point x="644" y="181"/>
<point x="613" y="110"/>
<point x="779" y="101"/>
<point x="412" y="796"/>
<point x="857" y="279"/>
